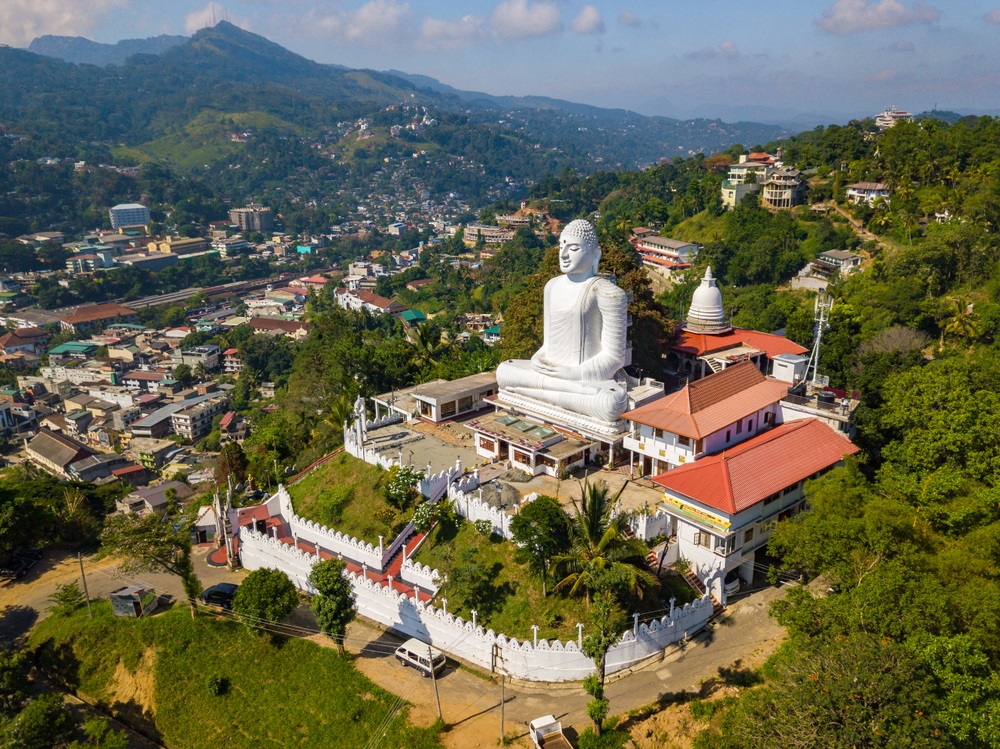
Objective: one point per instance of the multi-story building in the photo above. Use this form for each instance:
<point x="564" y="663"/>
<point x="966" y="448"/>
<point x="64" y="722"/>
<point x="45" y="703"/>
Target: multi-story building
<point x="782" y="188"/>
<point x="704" y="417"/>
<point x="206" y="356"/>
<point x="129" y="214"/>
<point x="89" y="262"/>
<point x="367" y="301"/>
<point x="231" y="361"/>
<point x="719" y="511"/>
<point x="488" y="234"/>
<point x="195" y="422"/>
<point x="231" y="246"/>
<point x="867" y="192"/>
<point x="666" y="256"/>
<point x="890" y="117"/>
<point x="252" y="218"/>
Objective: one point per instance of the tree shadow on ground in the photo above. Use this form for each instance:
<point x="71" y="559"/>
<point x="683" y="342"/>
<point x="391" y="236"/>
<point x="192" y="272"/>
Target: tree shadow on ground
<point x="728" y="676"/>
<point x="138" y="718"/>
<point x="15" y="622"/>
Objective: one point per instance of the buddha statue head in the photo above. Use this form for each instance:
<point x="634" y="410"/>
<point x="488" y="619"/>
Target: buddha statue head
<point x="579" y="252"/>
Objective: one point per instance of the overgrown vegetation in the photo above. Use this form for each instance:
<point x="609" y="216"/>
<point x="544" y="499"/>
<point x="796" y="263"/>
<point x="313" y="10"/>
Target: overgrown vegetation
<point x="320" y="697"/>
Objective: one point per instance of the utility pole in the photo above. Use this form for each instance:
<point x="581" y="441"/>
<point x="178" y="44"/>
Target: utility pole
<point x="503" y="699"/>
<point x="437" y="696"/>
<point x="79" y="558"/>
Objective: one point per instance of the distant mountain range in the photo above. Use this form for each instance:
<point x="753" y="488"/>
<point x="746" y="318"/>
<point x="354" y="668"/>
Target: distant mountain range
<point x="184" y="76"/>
<point x="79" y="50"/>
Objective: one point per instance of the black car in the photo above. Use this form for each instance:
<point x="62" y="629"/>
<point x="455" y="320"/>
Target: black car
<point x="17" y="563"/>
<point x="220" y="594"/>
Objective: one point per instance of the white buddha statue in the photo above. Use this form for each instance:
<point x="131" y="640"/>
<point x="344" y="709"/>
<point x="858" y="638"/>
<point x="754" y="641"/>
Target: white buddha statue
<point x="585" y="317"/>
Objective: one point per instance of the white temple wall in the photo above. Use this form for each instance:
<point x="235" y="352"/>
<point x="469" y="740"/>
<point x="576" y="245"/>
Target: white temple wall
<point x="471" y="507"/>
<point x="542" y="661"/>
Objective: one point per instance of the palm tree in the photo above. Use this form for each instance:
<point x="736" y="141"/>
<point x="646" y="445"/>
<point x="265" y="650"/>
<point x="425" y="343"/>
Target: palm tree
<point x="601" y="546"/>
<point x="427" y="344"/>
<point x="960" y="322"/>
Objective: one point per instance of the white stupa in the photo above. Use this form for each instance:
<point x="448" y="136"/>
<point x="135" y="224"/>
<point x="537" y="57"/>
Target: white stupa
<point x="706" y="314"/>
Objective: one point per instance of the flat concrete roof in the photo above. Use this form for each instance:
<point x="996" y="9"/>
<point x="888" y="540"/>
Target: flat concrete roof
<point x="443" y="390"/>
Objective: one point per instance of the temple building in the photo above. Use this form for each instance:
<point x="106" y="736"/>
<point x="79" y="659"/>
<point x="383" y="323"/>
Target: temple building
<point x="718" y="512"/>
<point x="708" y="343"/>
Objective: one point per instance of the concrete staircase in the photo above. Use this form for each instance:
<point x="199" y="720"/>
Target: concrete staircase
<point x="691" y="579"/>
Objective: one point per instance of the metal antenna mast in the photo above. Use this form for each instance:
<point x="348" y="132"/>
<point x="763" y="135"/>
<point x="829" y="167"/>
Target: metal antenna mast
<point x="824" y="304"/>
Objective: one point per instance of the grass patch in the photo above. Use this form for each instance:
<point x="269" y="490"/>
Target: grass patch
<point x="216" y="684"/>
<point x="344" y="494"/>
<point x="702" y="227"/>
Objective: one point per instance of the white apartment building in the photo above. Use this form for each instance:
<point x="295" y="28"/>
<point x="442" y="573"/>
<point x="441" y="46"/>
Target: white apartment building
<point x="129" y="214"/>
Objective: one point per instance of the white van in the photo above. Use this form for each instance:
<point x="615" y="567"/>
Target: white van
<point x="415" y="653"/>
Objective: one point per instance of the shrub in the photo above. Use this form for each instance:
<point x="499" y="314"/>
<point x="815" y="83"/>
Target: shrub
<point x="265" y="596"/>
<point x="485" y="527"/>
<point x="613" y="739"/>
<point x="597" y="710"/>
<point x="218" y="685"/>
<point x="424" y="517"/>
<point x="67" y="599"/>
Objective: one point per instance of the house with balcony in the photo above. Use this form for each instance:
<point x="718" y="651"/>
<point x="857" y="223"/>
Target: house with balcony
<point x="836" y="261"/>
<point x="783" y="188"/>
<point x="704" y="417"/>
<point x="231" y="361"/>
<point x="867" y="192"/>
<point x="664" y="255"/>
<point x="720" y="511"/>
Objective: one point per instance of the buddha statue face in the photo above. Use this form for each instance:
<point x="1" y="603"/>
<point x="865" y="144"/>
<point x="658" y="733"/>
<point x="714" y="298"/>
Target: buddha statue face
<point x="578" y="249"/>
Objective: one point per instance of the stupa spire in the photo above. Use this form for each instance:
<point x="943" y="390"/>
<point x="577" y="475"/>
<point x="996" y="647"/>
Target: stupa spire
<point x="706" y="314"/>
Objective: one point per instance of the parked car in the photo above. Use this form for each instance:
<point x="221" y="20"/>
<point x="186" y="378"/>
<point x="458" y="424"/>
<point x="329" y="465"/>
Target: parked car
<point x="17" y="563"/>
<point x="220" y="594"/>
<point x="419" y="655"/>
<point x="732" y="583"/>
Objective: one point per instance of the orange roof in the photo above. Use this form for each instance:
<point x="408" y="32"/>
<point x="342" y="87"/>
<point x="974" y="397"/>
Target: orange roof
<point x="747" y="474"/>
<point x="699" y="344"/>
<point x="712" y="403"/>
<point x="231" y="352"/>
<point x="96" y="312"/>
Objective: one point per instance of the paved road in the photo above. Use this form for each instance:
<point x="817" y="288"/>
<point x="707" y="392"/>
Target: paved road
<point x="470" y="699"/>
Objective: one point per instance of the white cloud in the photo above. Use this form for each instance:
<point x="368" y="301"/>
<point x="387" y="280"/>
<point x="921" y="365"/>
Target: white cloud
<point x="24" y="20"/>
<point x="210" y="15"/>
<point x="852" y="16"/>
<point x="588" y="21"/>
<point x="372" y="23"/>
<point x="727" y="49"/>
<point x="993" y="16"/>
<point x="628" y="18"/>
<point x="883" y="75"/>
<point x="462" y="32"/>
<point x="519" y="19"/>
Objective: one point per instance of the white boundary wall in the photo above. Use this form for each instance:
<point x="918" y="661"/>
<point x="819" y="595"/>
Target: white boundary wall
<point x="545" y="660"/>
<point x="333" y="541"/>
<point x="472" y="507"/>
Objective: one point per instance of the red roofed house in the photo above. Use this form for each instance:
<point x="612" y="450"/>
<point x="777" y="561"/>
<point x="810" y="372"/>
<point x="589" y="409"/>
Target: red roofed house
<point x="231" y="361"/>
<point x="368" y="301"/>
<point x="96" y="317"/>
<point x="707" y="343"/>
<point x="704" y="417"/>
<point x="280" y="326"/>
<point x="721" y="509"/>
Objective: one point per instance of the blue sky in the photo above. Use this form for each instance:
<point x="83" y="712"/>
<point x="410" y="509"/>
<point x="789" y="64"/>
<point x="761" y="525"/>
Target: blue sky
<point x="768" y="59"/>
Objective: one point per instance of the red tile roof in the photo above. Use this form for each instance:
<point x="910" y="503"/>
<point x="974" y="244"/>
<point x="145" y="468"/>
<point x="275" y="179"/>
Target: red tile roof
<point x="747" y="474"/>
<point x="712" y="403"/>
<point x="274" y="323"/>
<point x="231" y="352"/>
<point x="699" y="344"/>
<point x="96" y="312"/>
